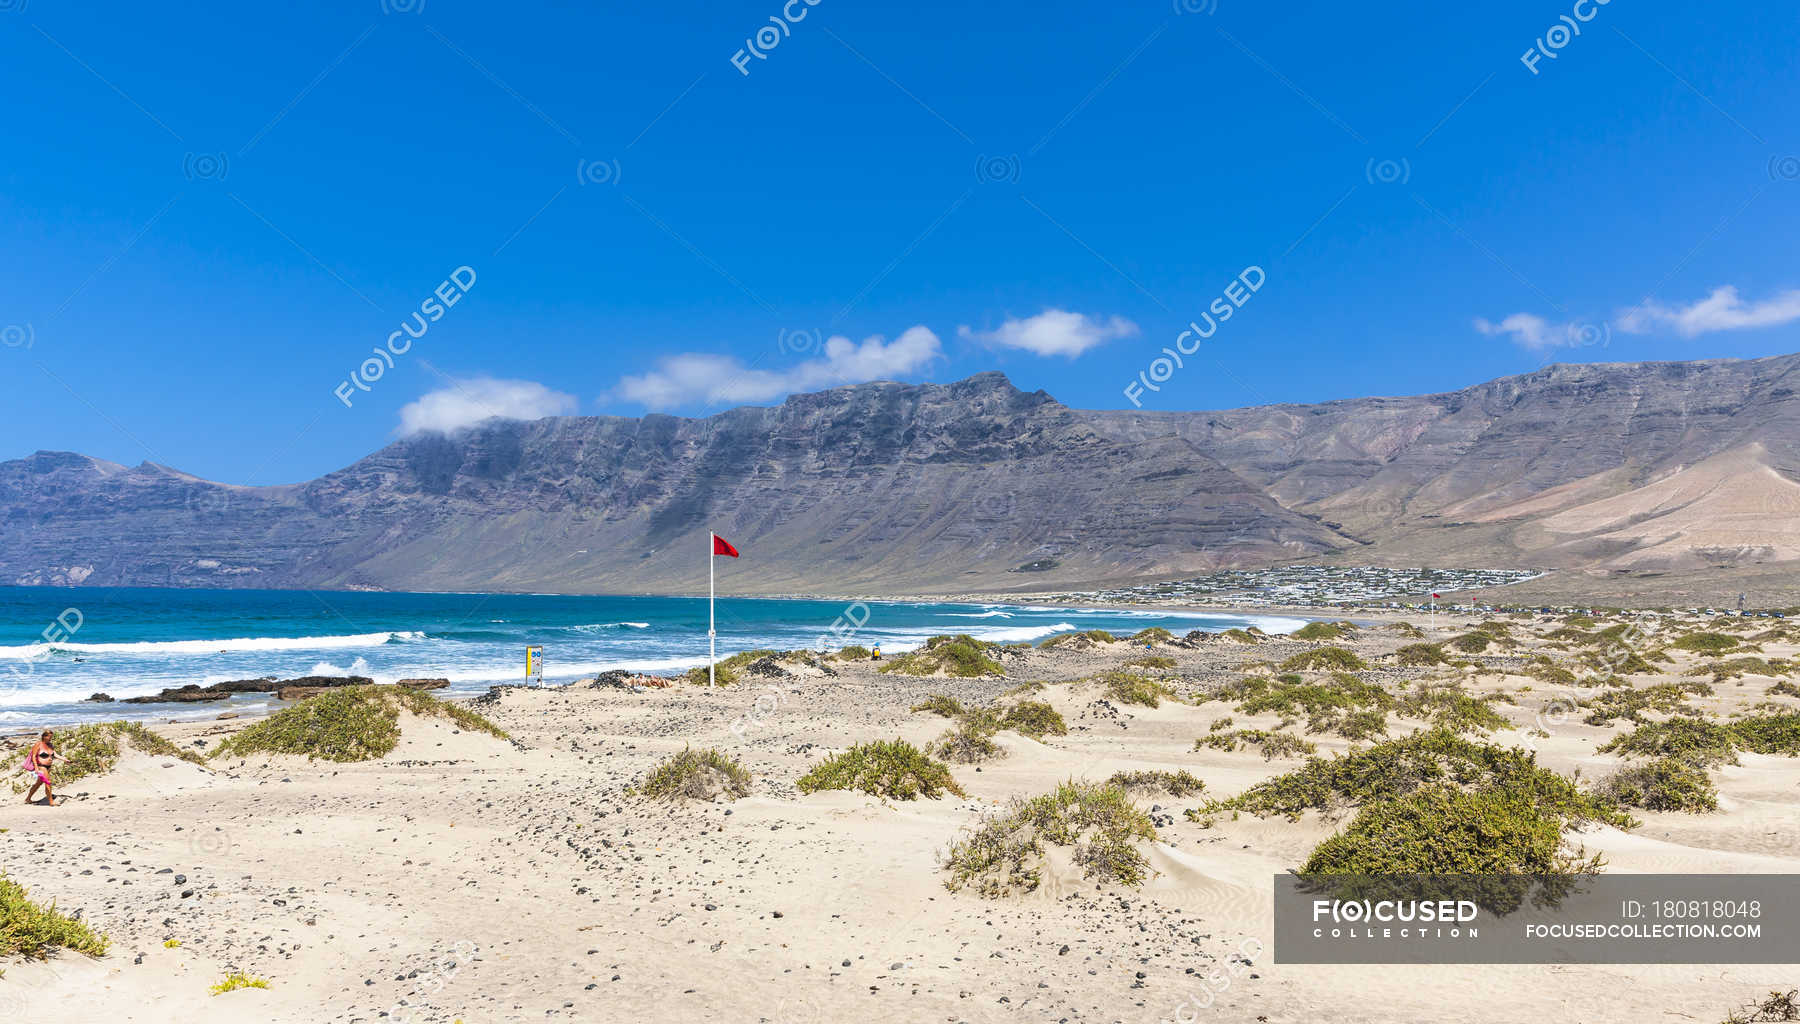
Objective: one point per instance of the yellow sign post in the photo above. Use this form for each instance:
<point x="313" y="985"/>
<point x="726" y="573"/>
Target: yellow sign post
<point x="534" y="665"/>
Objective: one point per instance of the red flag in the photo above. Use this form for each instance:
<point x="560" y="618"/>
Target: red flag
<point x="721" y="546"/>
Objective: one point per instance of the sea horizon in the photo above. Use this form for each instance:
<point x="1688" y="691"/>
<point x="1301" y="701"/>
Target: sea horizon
<point x="61" y="645"/>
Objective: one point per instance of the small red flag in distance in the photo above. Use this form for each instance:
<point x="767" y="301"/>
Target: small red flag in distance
<point x="721" y="546"/>
<point x="1434" y="597"/>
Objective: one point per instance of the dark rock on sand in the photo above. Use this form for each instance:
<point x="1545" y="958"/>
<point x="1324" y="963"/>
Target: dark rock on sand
<point x="423" y="684"/>
<point x="99" y="698"/>
<point x="193" y="693"/>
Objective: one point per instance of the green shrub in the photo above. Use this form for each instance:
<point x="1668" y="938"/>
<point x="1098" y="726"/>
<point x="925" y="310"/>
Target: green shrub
<point x="236" y="980"/>
<point x="1318" y="631"/>
<point x="969" y="741"/>
<point x="940" y="704"/>
<point x="1181" y="783"/>
<point x="349" y="723"/>
<point x="1737" y="668"/>
<point x="1447" y="707"/>
<point x="32" y="930"/>
<point x="1687" y="740"/>
<point x="1289" y="696"/>
<point x="854" y="652"/>
<point x="1335" y="658"/>
<point x="1035" y="719"/>
<point x="1002" y="854"/>
<point x="1768" y="734"/>
<point x="1361" y="725"/>
<point x="696" y="775"/>
<point x="962" y="656"/>
<point x="1471" y="643"/>
<point x="1706" y="643"/>
<point x="1271" y="744"/>
<point x="1150" y="661"/>
<point x="1127" y="688"/>
<point x="1242" y="636"/>
<point x="1545" y="670"/>
<point x="1783" y="689"/>
<point x="1154" y="634"/>
<point x="891" y="769"/>
<point x="1095" y="635"/>
<point x="1665" y="784"/>
<point x="727" y="670"/>
<point x="1631" y="703"/>
<point x="1442" y="830"/>
<point x="1421" y="656"/>
<point x="1399" y="767"/>
<point x="1025" y="689"/>
<point x="1405" y="629"/>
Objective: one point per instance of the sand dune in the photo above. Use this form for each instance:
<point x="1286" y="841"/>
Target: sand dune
<point x="464" y="878"/>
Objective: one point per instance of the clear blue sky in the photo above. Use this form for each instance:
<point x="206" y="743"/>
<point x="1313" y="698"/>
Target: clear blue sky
<point x="211" y="213"/>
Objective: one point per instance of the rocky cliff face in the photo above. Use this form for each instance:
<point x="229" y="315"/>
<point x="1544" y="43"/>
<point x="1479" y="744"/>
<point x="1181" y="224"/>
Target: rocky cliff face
<point x="878" y="486"/>
<point x="1514" y="471"/>
<point x="972" y="486"/>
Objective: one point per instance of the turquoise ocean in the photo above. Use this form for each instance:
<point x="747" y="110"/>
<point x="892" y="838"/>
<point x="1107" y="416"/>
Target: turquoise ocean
<point x="59" y="645"/>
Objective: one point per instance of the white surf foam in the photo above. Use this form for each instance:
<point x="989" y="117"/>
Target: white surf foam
<point x="255" y="643"/>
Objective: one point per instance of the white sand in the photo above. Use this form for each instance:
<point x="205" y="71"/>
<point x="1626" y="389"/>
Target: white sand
<point x="551" y="895"/>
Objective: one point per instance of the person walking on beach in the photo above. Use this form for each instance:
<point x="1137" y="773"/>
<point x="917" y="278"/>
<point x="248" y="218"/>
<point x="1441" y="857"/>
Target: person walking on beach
<point x="37" y="762"/>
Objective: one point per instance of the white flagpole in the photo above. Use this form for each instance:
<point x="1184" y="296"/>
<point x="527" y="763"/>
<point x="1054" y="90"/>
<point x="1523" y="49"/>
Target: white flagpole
<point x="712" y="642"/>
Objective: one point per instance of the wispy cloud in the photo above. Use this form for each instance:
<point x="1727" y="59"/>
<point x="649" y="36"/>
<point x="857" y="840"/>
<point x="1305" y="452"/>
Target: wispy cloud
<point x="1534" y="332"/>
<point x="1054" y="332"/>
<point x="699" y="377"/>
<point x="1723" y="310"/>
<point x="467" y="402"/>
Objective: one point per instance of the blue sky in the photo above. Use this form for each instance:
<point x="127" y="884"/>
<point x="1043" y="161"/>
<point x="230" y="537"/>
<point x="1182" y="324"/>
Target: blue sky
<point x="212" y="214"/>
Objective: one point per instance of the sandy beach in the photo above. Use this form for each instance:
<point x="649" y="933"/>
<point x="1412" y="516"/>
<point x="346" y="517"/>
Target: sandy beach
<point x="467" y="878"/>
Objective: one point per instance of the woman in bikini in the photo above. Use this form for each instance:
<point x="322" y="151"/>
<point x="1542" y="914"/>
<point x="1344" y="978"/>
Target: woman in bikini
<point x="37" y="762"/>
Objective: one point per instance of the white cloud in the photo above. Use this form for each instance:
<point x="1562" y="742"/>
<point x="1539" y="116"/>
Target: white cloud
<point x="1054" y="332"/>
<point x="468" y="402"/>
<point x="694" y="376"/>
<point x="1723" y="310"/>
<point x="1533" y="332"/>
<point x="1536" y="333"/>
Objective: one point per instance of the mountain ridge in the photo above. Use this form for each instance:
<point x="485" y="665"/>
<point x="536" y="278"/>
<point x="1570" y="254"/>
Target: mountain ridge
<point x="966" y="486"/>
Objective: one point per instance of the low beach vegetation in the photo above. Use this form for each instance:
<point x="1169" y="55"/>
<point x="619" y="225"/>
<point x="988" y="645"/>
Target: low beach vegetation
<point x="1003" y="853"/>
<point x="890" y="769"/>
<point x="351" y="723"/>
<point x="35" y="930"/>
<point x="696" y="775"/>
